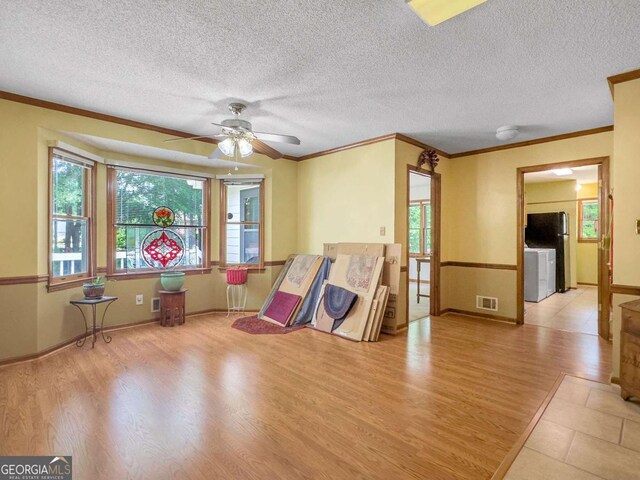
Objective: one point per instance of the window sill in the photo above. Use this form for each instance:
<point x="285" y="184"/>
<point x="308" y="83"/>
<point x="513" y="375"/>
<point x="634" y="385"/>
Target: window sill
<point x="587" y="240"/>
<point x="153" y="274"/>
<point x="55" y="287"/>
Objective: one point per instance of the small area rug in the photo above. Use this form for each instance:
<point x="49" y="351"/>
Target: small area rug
<point x="255" y="326"/>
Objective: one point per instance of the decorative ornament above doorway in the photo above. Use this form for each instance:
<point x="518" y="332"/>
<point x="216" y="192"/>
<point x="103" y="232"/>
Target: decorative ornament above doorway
<point x="429" y="157"/>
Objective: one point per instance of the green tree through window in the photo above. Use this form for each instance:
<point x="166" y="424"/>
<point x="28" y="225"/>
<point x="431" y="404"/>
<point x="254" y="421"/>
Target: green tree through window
<point x="70" y="218"/>
<point x="420" y="228"/>
<point x="137" y="195"/>
<point x="589" y="216"/>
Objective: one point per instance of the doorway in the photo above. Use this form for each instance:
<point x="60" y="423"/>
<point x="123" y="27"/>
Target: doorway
<point x="423" y="244"/>
<point x="563" y="248"/>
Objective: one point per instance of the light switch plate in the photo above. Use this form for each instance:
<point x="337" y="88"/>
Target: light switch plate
<point x="139" y="299"/>
<point x="383" y="231"/>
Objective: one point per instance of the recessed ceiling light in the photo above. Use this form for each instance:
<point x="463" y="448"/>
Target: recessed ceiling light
<point x="437" y="11"/>
<point x="561" y="172"/>
<point x="508" y="132"/>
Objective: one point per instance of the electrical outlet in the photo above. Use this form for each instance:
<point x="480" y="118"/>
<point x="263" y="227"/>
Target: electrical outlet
<point x="139" y="299"/>
<point x="383" y="231"/>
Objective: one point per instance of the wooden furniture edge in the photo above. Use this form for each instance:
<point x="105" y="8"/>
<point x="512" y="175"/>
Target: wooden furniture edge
<point x="503" y="468"/>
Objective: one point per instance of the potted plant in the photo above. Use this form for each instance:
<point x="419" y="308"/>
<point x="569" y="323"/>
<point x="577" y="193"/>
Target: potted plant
<point x="95" y="289"/>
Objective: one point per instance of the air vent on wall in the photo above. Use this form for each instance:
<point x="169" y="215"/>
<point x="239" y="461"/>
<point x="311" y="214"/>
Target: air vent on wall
<point x="486" y="303"/>
<point x="155" y="304"/>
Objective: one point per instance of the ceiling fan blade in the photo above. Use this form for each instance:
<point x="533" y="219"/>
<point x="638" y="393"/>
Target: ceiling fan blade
<point x="216" y="154"/>
<point x="276" y="137"/>
<point x="262" y="147"/>
<point x="177" y="139"/>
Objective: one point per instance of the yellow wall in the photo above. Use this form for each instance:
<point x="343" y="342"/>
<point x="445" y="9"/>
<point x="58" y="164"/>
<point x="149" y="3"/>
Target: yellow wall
<point x="588" y="251"/>
<point x="563" y="195"/>
<point x="346" y="197"/>
<point x="33" y="319"/>
<point x="483" y="208"/>
<point x="626" y="193"/>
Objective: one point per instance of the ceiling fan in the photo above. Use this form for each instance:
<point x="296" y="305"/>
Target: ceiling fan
<point x="237" y="138"/>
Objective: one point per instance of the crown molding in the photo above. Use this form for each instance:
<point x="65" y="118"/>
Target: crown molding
<point x="59" y="107"/>
<point x="14" y="97"/>
<point x="370" y="141"/>
<point x="349" y="146"/>
<point x="418" y="143"/>
<point x="621" y="78"/>
<point x="553" y="138"/>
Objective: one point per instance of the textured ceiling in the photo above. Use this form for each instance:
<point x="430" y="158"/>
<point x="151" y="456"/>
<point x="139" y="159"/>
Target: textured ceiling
<point x="331" y="73"/>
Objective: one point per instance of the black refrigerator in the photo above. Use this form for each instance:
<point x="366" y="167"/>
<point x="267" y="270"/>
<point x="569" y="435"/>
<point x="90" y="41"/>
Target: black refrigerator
<point x="551" y="230"/>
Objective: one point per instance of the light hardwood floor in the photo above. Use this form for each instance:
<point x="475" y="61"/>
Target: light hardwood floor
<point x="446" y="400"/>
<point x="417" y="310"/>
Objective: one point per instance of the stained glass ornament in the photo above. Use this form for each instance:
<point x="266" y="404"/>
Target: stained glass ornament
<point x="162" y="249"/>
<point x="163" y="217"/>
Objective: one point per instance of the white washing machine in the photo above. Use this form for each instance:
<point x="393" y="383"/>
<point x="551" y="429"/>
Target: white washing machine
<point x="539" y="273"/>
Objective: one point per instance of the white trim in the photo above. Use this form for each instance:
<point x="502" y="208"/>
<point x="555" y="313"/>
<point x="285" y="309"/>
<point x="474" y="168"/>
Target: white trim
<point x="81" y="156"/>
<point x="157" y="168"/>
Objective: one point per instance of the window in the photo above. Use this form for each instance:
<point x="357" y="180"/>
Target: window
<point x="242" y="223"/>
<point x="135" y="195"/>
<point x="420" y="228"/>
<point x="588" y="216"/>
<point x="71" y="207"/>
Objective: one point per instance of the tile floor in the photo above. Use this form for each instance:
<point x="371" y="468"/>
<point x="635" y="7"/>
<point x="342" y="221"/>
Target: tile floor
<point x="418" y="310"/>
<point x="586" y="432"/>
<point x="573" y="311"/>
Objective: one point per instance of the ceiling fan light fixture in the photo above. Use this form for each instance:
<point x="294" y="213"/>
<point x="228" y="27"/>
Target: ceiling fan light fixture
<point x="437" y="11"/>
<point x="245" y="147"/>
<point x="508" y="132"/>
<point x="228" y="147"/>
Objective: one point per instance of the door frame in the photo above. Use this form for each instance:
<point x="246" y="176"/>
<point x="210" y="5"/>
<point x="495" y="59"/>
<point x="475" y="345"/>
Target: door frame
<point x="434" y="266"/>
<point x="604" y="266"/>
